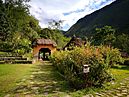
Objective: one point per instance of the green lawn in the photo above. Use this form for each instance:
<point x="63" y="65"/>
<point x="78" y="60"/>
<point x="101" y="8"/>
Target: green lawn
<point x="119" y="73"/>
<point x="43" y="79"/>
<point x="10" y="74"/>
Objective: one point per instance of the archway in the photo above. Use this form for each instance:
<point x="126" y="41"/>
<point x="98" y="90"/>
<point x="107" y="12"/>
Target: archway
<point x="44" y="53"/>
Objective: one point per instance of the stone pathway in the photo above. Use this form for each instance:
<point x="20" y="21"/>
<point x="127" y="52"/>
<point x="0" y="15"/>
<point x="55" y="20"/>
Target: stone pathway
<point x="42" y="81"/>
<point x="122" y="91"/>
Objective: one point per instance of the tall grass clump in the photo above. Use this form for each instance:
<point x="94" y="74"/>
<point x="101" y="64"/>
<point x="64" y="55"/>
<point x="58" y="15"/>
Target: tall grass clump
<point x="99" y="58"/>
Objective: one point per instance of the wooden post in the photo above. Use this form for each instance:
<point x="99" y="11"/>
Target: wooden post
<point x="86" y="70"/>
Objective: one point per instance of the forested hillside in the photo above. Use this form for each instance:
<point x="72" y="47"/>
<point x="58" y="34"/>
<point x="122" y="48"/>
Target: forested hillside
<point x="115" y="15"/>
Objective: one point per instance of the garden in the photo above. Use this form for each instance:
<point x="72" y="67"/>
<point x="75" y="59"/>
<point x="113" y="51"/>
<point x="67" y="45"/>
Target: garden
<point x="64" y="74"/>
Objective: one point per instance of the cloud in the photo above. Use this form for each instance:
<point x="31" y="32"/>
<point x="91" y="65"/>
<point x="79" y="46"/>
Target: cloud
<point x="68" y="10"/>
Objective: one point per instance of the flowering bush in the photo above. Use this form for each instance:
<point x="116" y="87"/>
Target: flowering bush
<point x="100" y="59"/>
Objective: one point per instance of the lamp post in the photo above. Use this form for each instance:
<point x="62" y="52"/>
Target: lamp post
<point x="86" y="70"/>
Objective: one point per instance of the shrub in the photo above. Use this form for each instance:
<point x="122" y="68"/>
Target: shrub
<point x="100" y="59"/>
<point x="29" y="56"/>
<point x="126" y="62"/>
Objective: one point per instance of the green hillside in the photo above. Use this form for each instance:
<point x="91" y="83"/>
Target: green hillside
<point x="115" y="15"/>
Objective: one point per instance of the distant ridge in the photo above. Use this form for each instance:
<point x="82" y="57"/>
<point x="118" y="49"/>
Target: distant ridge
<point x="116" y="15"/>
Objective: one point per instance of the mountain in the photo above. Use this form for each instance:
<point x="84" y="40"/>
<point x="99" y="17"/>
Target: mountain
<point x="116" y="15"/>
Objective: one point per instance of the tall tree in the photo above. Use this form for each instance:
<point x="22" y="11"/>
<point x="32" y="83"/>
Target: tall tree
<point x="13" y="14"/>
<point x="16" y="24"/>
<point x="104" y="35"/>
<point x="55" y="24"/>
<point x="122" y="42"/>
<point x="54" y="32"/>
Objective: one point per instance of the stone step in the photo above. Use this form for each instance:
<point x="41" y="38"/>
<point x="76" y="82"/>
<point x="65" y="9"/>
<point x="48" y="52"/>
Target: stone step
<point x="12" y="58"/>
<point x="16" y="62"/>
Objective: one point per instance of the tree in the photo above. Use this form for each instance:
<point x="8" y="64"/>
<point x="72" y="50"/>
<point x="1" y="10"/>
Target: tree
<point x="55" y="24"/>
<point x="46" y="33"/>
<point x="53" y="32"/>
<point x="55" y="35"/>
<point x="31" y="28"/>
<point x="12" y="18"/>
<point x="122" y="42"/>
<point x="16" y="24"/>
<point x="104" y="35"/>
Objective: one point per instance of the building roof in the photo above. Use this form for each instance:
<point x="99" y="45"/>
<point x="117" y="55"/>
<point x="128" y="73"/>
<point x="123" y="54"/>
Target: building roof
<point x="75" y="42"/>
<point x="43" y="41"/>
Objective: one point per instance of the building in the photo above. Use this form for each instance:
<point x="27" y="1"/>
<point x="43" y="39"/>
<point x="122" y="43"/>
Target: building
<point x="74" y="42"/>
<point x="42" y="48"/>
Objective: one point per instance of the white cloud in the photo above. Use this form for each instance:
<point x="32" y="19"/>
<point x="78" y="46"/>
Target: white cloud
<point x="68" y="10"/>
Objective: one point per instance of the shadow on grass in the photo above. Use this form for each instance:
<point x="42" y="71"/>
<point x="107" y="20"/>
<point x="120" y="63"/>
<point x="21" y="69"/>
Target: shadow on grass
<point x="121" y="67"/>
<point x="44" y="80"/>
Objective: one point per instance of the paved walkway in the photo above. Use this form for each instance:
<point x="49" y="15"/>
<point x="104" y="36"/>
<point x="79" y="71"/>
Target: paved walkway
<point x="122" y="91"/>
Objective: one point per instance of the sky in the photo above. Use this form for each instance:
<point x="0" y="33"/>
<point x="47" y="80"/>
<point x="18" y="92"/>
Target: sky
<point x="69" y="11"/>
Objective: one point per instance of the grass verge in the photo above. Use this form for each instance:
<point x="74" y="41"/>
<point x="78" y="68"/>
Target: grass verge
<point x="10" y="74"/>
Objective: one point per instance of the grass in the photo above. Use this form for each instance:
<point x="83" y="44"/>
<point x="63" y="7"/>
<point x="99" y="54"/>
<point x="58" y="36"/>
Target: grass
<point x="5" y="53"/>
<point x="10" y="74"/>
<point x="43" y="80"/>
<point x="119" y="73"/>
